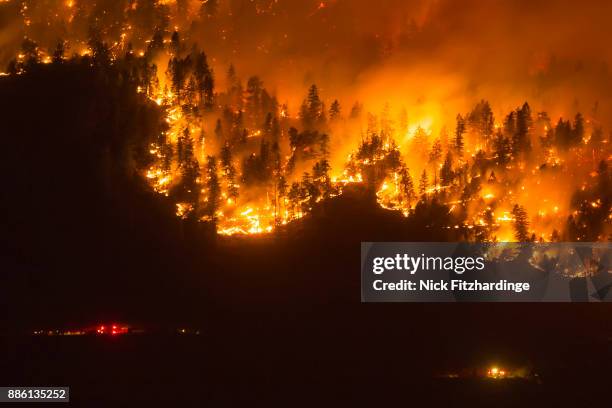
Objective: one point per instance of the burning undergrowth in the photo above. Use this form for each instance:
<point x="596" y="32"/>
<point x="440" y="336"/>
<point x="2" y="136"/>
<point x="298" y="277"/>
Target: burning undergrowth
<point x="235" y="156"/>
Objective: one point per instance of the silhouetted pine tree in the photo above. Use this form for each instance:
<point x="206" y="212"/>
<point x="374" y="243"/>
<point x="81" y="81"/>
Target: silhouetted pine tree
<point x="334" y="110"/>
<point x="521" y="223"/>
<point x="446" y="172"/>
<point x="406" y="186"/>
<point x="229" y="172"/>
<point x="459" y="132"/>
<point x="213" y="189"/>
<point x="423" y="184"/>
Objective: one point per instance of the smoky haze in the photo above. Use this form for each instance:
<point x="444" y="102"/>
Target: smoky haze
<point x="435" y="57"/>
<point x="413" y="66"/>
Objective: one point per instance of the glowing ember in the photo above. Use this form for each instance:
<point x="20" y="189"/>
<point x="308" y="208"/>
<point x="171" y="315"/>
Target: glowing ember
<point x="233" y="155"/>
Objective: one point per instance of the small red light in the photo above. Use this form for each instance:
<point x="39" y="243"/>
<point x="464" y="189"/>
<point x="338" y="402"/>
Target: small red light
<point x="114" y="327"/>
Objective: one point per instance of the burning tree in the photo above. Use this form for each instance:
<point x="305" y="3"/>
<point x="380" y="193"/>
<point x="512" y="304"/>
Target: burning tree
<point x="276" y="165"/>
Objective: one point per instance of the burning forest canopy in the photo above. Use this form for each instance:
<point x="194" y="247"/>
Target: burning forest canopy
<point x="497" y="112"/>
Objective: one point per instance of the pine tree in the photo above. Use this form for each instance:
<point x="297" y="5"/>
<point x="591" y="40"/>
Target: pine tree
<point x="406" y="186"/>
<point x="58" y="53"/>
<point x="521" y="223"/>
<point x="190" y="91"/>
<point x="205" y="82"/>
<point x="563" y="134"/>
<point x="420" y="144"/>
<point x="267" y="125"/>
<point x="282" y="186"/>
<point x="213" y="188"/>
<point x="294" y="199"/>
<point x="459" y="131"/>
<point x="483" y="233"/>
<point x="555" y="236"/>
<point x="167" y="153"/>
<point x="232" y="78"/>
<point x="280" y="193"/>
<point x="578" y="131"/>
<point x="520" y="141"/>
<point x="446" y="172"/>
<point x="187" y="189"/>
<point x="149" y="79"/>
<point x="334" y="110"/>
<point x="100" y="52"/>
<point x="175" y="43"/>
<point x="510" y="125"/>
<point x="423" y="184"/>
<point x="156" y="44"/>
<point x="30" y="51"/>
<point x="434" y="157"/>
<point x="481" y="120"/>
<point x="502" y="148"/>
<point x="254" y="91"/>
<point x="314" y="101"/>
<point x="238" y="132"/>
<point x="309" y="192"/>
<point x="312" y="109"/>
<point x="321" y="177"/>
<point x="324" y="145"/>
<point x="229" y="172"/>
<point x="177" y="73"/>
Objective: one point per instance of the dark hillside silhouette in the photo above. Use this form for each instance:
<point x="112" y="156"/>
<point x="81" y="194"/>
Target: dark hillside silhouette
<point x="84" y="239"/>
<point x="79" y="223"/>
<point x="82" y="224"/>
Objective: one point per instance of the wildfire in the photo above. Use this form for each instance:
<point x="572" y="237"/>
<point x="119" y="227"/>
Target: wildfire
<point x="238" y="158"/>
<point x="183" y="209"/>
<point x="496" y="373"/>
<point x="396" y="191"/>
<point x="249" y="221"/>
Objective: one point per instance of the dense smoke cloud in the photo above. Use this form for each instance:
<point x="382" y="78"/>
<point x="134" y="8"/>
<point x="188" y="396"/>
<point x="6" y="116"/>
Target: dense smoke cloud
<point x="436" y="57"/>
